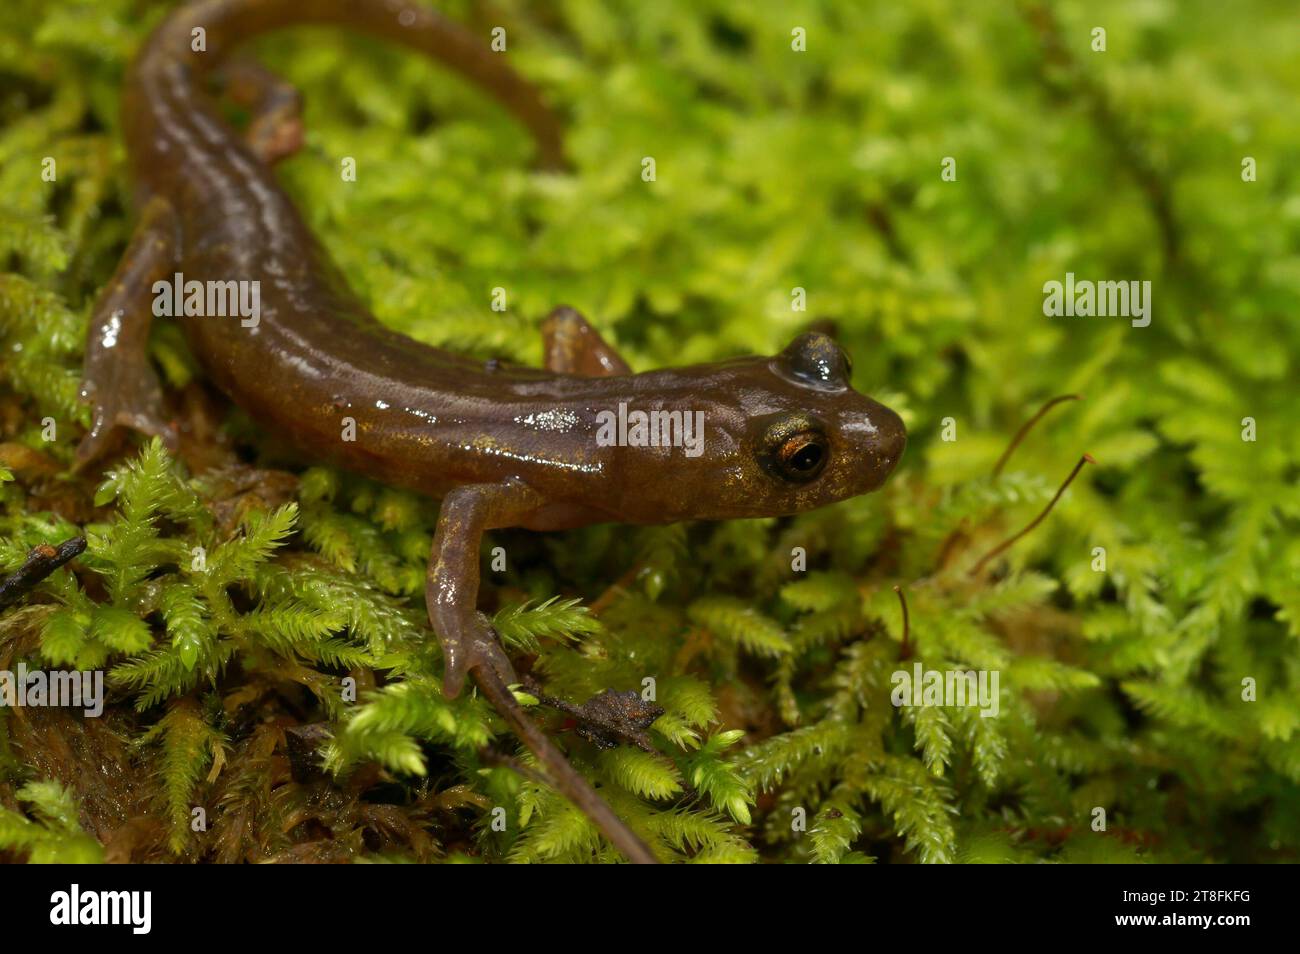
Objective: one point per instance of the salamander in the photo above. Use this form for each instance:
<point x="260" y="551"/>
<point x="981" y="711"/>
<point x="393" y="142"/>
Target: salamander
<point x="501" y="445"/>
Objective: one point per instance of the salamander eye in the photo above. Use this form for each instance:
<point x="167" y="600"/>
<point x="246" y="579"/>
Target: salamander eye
<point x="801" y="457"/>
<point x="816" y="361"/>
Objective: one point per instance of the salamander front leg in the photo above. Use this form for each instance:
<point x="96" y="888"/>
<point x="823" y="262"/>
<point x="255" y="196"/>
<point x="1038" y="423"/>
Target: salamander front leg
<point x="572" y="346"/>
<point x="117" y="378"/>
<point x="451" y="589"/>
<point x="469" y="644"/>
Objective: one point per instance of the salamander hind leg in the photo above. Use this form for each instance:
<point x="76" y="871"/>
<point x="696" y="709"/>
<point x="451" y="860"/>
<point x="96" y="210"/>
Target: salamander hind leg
<point x="572" y="346"/>
<point x="117" y="379"/>
<point x="275" y="130"/>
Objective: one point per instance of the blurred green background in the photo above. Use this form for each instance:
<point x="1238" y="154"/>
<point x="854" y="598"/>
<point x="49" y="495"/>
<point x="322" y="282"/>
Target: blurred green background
<point x="821" y="169"/>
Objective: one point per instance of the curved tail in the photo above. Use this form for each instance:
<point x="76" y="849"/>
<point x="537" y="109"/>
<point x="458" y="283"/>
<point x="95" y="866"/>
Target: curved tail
<point x="228" y="23"/>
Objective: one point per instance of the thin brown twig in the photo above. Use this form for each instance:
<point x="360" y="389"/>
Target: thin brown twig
<point x="906" y="650"/>
<point x="950" y="542"/>
<point x="1026" y="427"/>
<point x="41" y="561"/>
<point x="1010" y="541"/>
<point x="602" y="602"/>
<point x="565" y="778"/>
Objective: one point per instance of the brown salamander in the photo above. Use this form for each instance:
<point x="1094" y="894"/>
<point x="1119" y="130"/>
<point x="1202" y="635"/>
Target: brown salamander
<point x="502" y="445"/>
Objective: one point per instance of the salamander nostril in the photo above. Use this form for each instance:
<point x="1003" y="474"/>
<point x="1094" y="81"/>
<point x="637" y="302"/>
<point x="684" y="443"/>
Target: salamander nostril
<point x="895" y="440"/>
<point x="888" y="439"/>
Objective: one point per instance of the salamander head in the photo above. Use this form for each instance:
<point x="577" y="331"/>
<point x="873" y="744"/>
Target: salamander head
<point x="781" y="435"/>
